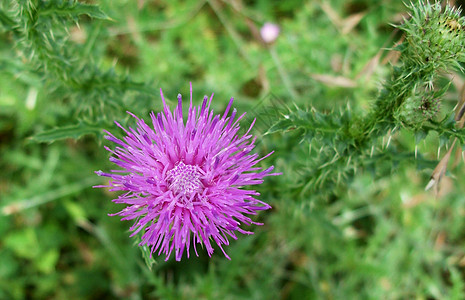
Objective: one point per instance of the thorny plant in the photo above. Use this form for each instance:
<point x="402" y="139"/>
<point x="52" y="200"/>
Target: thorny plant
<point x="341" y="142"/>
<point x="434" y="40"/>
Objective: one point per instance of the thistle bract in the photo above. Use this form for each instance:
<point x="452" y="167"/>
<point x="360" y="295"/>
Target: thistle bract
<point x="418" y="109"/>
<point x="183" y="180"/>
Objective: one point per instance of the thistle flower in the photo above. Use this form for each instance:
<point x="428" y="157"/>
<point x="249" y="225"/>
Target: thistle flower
<point x="183" y="182"/>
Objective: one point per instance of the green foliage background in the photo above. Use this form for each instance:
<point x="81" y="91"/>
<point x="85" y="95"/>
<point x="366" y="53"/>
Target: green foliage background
<point x="69" y="69"/>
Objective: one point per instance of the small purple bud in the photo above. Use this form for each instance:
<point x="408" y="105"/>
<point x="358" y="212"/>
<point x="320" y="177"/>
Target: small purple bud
<point x="269" y="32"/>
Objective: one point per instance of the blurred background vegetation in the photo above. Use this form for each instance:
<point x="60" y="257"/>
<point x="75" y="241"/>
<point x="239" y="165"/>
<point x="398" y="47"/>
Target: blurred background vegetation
<point x="67" y="71"/>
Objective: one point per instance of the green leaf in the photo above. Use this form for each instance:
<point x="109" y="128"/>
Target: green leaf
<point x="75" y="9"/>
<point x="457" y="290"/>
<point x="281" y="125"/>
<point x="8" y="264"/>
<point x="149" y="260"/>
<point x="313" y="123"/>
<point x="46" y="263"/>
<point x="6" y="21"/>
<point x="73" y="132"/>
<point x="76" y="211"/>
<point x="23" y="243"/>
<point x="420" y="135"/>
<point x="92" y="11"/>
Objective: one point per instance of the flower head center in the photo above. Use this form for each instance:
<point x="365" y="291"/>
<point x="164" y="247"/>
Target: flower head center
<point x="184" y="179"/>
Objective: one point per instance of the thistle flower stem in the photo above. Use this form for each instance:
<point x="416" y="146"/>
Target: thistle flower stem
<point x="282" y="72"/>
<point x="231" y="31"/>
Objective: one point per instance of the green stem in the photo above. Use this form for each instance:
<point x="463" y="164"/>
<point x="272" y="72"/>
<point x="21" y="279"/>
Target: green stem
<point x="282" y="73"/>
<point x="58" y="193"/>
<point x="231" y="31"/>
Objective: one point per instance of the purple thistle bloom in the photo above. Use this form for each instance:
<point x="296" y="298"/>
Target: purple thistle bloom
<point x="184" y="181"/>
